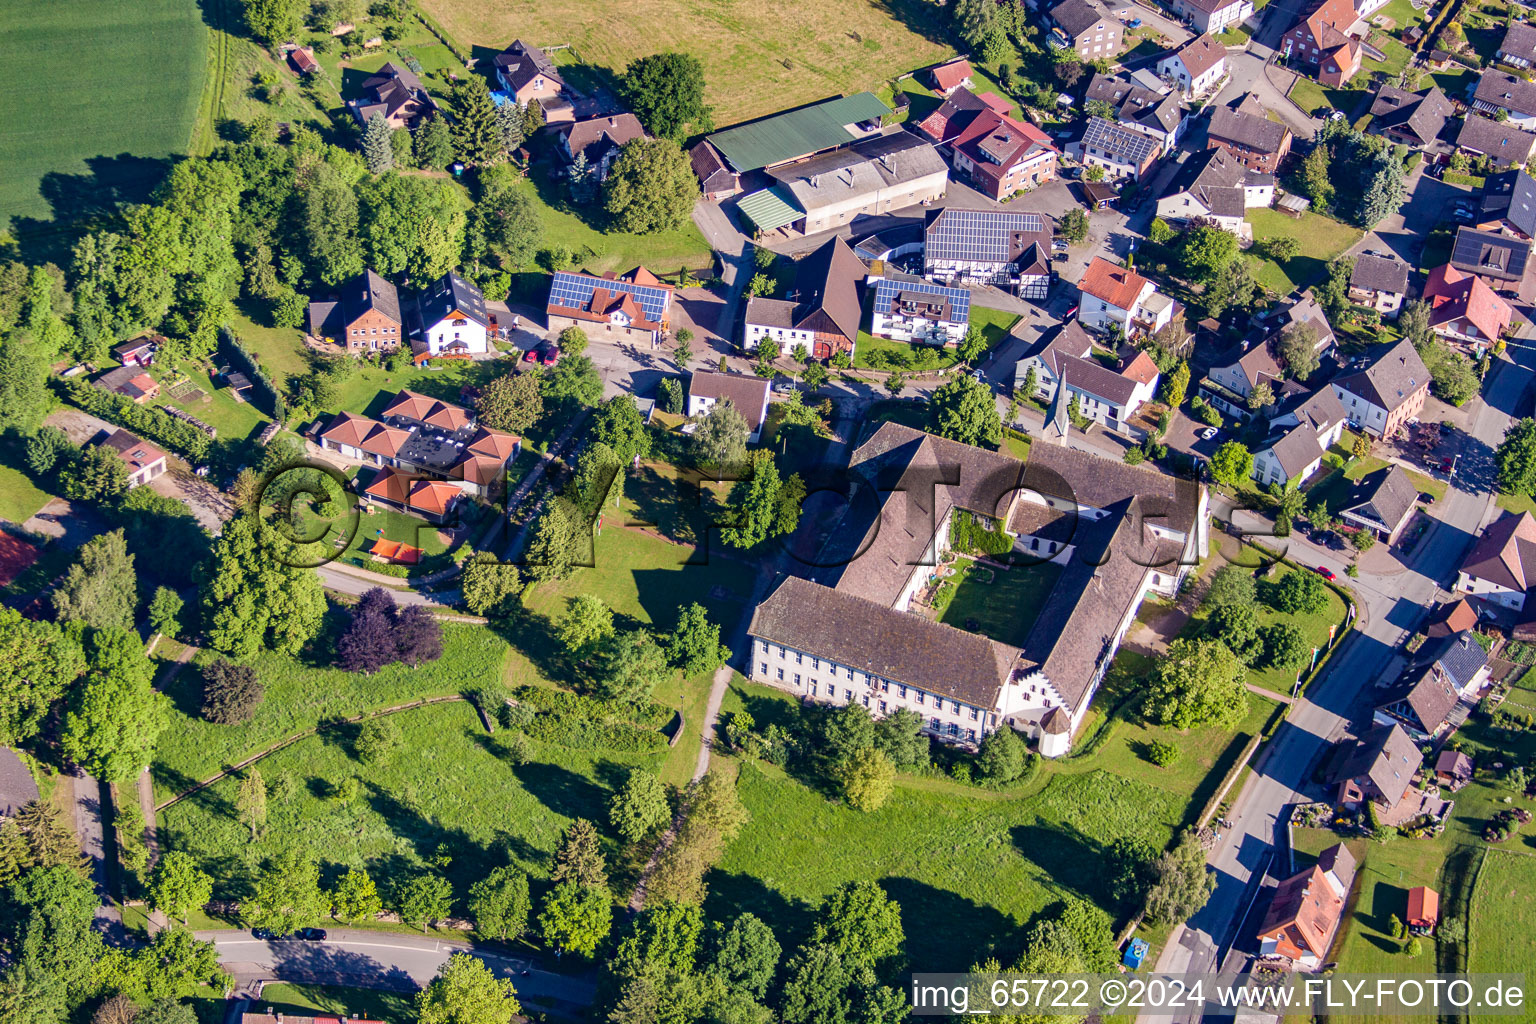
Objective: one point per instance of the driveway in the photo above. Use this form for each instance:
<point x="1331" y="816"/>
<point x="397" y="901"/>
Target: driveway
<point x="209" y="505"/>
<point x="80" y="426"/>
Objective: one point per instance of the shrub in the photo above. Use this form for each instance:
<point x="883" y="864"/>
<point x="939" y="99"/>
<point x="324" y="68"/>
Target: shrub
<point x="1162" y="754"/>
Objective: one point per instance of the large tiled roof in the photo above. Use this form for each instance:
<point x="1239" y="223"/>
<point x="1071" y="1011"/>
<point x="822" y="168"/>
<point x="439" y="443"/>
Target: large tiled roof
<point x="135" y="451"/>
<point x="994" y="140"/>
<point x="583" y="296"/>
<point x="1454" y="295"/>
<point x="1259" y="134"/>
<point x="1395" y="374"/>
<point x="594" y="135"/>
<point x="1201" y="54"/>
<point x="1501" y="89"/>
<point x="1520" y="41"/>
<point x="1422" y="113"/>
<point x="748" y="393"/>
<point x="1375" y="273"/>
<point x="1500" y="141"/>
<point x="1297" y="449"/>
<point x="1387" y="496"/>
<point x="1119" y="286"/>
<point x="953" y="116"/>
<point x="1506" y="553"/>
<point x="1096" y="482"/>
<point x="1077" y="16"/>
<point x="521" y="63"/>
<point x="1510" y="196"/>
<point x="1386" y="756"/>
<point x="449" y="294"/>
<point x="827" y="283"/>
<point x="862" y="169"/>
<point x="1135" y="104"/>
<point x="949" y="76"/>
<point x="1306" y="910"/>
<point x="865" y="635"/>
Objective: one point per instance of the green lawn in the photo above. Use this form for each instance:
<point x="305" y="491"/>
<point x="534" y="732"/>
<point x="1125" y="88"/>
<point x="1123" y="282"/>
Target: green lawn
<point x="279" y="351"/>
<point x="1308" y="95"/>
<point x="300" y="693"/>
<point x="1004" y="606"/>
<point x="20" y="498"/>
<point x="1321" y="238"/>
<point x="1334" y="489"/>
<point x="1455" y="83"/>
<point x="71" y="144"/>
<point x="1402" y="13"/>
<point x="1234" y="35"/>
<point x="1398" y="56"/>
<point x="216" y="406"/>
<point x="389" y="1007"/>
<point x="1315" y="626"/>
<point x="1503" y="907"/>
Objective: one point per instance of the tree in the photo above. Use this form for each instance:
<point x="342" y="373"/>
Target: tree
<point x="356" y="897"/>
<point x="1160" y="232"/>
<point x="487" y="583"/>
<point x="815" y="376"/>
<point x="1413" y="322"/>
<point x="617" y="423"/>
<point x="666" y="92"/>
<point x="973" y="345"/>
<point x="755" y="503"/>
<point x="552" y="553"/>
<point x="587" y="622"/>
<point x="576" y="918"/>
<point x="100" y="588"/>
<point x="1384" y="190"/>
<point x="720" y="439"/>
<point x="509" y="119"/>
<point x="95" y="474"/>
<point x="1234" y="288"/>
<point x="418" y="636"/>
<point x="367" y="644"/>
<point x="251" y="802"/>
<point x="423" y="899"/>
<point x="694" y="646"/>
<point x="272" y="21"/>
<point x="896" y="383"/>
<point x="1093" y="172"/>
<point x="1237" y="626"/>
<point x="639" y="807"/>
<point x="900" y="737"/>
<point x="574" y="380"/>
<point x="965" y="410"/>
<point x="504" y="229"/>
<point x="1516" y="458"/>
<point x="651" y="187"/>
<point x="52" y="949"/>
<point x="1198" y="682"/>
<point x="1282" y="248"/>
<point x="664" y="940"/>
<point x="378" y="147"/>
<point x="671" y="396"/>
<point x="287" y="895"/>
<point x="38" y="660"/>
<point x="466" y="992"/>
<point x="682" y="352"/>
<point x="865" y="778"/>
<point x="1315" y="178"/>
<point x="1261" y="396"/>
<point x="572" y="341"/>
<point x="1074" y="226"/>
<point x="1298" y="349"/>
<point x="254" y="596"/>
<point x="46" y="448"/>
<point x="1453" y="378"/>
<point x="499" y="903"/>
<point x="165" y="612"/>
<point x="512" y="402"/>
<point x="1285" y="645"/>
<point x="231" y="693"/>
<point x="1175" y="384"/>
<point x="579" y="857"/>
<point x="113" y="719"/>
<point x="1232" y="463"/>
<point x="861" y="923"/>
<point x="476" y="131"/>
<point x="631" y="666"/>
<point x="747" y="955"/>
<point x="980" y="26"/>
<point x="169" y="1010"/>
<point x="1181" y="883"/>
<point x="178" y="886"/>
<point x="1206" y="249"/>
<point x="1001" y="757"/>
<point x="1298" y="592"/>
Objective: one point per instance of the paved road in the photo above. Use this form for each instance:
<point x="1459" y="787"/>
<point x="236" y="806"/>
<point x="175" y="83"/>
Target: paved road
<point x="385" y="960"/>
<point x="1392" y="607"/>
<point x="89" y="817"/>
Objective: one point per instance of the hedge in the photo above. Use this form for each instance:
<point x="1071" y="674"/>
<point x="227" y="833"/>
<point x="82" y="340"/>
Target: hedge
<point x="1470" y="180"/>
<point x="257" y="374"/>
<point x="152" y="424"/>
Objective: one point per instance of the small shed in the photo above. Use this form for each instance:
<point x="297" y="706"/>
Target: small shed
<point x="1293" y="205"/>
<point x="1099" y="196"/>
<point x="1423" y="909"/>
<point x="1453" y="768"/>
<point x="1135" y="953"/>
<point x="303" y="59"/>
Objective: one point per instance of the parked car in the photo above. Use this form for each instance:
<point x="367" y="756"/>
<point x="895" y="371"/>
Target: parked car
<point x="1069" y="314"/>
<point x="531" y="356"/>
<point x="1133" y="23"/>
<point x="264" y="933"/>
<point x="310" y="934"/>
<point x="1208" y="433"/>
<point x="549" y="355"/>
<point x="1325" y="572"/>
<point x="1426" y="497"/>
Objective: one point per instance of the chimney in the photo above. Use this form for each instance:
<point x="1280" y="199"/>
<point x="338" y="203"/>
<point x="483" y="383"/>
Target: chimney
<point x="613" y="122"/>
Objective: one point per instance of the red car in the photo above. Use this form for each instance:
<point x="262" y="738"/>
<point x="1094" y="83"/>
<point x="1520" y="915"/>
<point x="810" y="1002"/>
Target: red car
<point x="1325" y="572"/>
<point x="549" y="356"/>
<point x="531" y="356"/>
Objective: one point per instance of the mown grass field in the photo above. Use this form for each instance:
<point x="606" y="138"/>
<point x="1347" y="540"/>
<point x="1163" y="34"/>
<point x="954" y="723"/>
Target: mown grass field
<point x="97" y="94"/>
<point x="1315" y="626"/>
<point x="1321" y="240"/>
<point x="758" y="58"/>
<point x="20" y="498"/>
<point x="1503" y="907"/>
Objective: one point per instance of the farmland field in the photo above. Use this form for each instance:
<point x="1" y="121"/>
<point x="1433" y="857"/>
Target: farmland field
<point x="1502" y="907"/>
<point x="98" y="94"/>
<point x="758" y="58"/>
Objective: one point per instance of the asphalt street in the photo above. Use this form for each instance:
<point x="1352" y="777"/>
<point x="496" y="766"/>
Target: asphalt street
<point x="1391" y="608"/>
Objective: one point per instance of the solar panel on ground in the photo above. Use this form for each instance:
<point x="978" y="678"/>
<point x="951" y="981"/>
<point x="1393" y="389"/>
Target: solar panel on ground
<point x="887" y="290"/>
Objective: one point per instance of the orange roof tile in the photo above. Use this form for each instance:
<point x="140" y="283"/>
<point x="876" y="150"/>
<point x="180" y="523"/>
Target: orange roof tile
<point x="1116" y="285"/>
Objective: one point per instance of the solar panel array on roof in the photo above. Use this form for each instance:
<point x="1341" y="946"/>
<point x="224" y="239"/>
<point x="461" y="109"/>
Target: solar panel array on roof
<point x="574" y="291"/>
<point x="980" y="236"/>
<point x="887" y="290"/>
